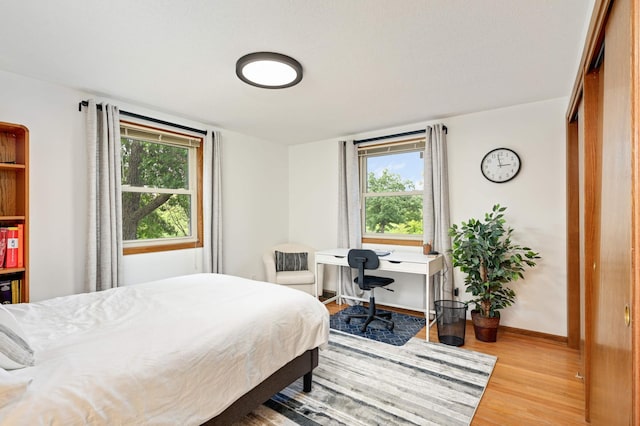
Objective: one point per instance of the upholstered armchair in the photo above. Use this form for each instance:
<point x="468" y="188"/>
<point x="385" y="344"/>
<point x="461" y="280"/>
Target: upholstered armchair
<point x="293" y="265"/>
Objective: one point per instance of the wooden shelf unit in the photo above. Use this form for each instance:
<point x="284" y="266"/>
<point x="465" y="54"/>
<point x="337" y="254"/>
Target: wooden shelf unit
<point x="14" y="193"/>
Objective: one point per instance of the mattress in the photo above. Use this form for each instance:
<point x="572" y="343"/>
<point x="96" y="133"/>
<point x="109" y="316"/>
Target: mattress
<point x="174" y="351"/>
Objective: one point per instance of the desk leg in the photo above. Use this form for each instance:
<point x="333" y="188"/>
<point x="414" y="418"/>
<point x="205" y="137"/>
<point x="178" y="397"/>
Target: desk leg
<point x="339" y="285"/>
<point x="318" y="286"/>
<point x="427" y="290"/>
<point x="315" y="290"/>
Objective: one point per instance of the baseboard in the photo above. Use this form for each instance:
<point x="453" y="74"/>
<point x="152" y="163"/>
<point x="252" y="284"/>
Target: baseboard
<point x="327" y="294"/>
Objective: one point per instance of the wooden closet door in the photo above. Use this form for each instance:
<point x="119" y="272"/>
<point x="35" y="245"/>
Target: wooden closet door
<point x="611" y="356"/>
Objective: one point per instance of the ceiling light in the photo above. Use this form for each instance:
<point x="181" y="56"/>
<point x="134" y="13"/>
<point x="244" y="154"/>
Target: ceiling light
<point x="269" y="70"/>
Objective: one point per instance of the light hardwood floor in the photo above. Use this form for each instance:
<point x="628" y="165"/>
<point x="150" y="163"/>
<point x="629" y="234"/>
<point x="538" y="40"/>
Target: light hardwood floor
<point x="533" y="382"/>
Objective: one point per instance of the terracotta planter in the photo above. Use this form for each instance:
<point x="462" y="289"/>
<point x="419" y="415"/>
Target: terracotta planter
<point x="486" y="329"/>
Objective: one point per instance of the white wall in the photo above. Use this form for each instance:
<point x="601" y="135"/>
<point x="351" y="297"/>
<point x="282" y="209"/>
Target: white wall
<point x="255" y="201"/>
<point x="313" y="189"/>
<point x="255" y="195"/>
<point x="535" y="200"/>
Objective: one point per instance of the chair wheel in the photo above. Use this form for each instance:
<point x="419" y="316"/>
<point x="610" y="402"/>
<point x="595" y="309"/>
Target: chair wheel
<point x="348" y="320"/>
<point x="363" y="328"/>
<point x="390" y="326"/>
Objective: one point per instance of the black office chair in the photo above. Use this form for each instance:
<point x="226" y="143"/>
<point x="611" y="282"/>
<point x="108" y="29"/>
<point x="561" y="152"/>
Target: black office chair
<point x="368" y="259"/>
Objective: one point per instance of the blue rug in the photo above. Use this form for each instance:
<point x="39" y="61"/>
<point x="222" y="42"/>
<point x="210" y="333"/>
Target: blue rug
<point x="406" y="326"/>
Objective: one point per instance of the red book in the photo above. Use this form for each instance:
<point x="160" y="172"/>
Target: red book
<point x="11" y="257"/>
<point x="20" y="245"/>
<point x="3" y="245"/>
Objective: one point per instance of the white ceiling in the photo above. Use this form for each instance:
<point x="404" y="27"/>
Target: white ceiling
<point x="368" y="64"/>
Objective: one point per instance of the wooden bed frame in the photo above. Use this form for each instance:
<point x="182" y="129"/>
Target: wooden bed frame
<point x="301" y="366"/>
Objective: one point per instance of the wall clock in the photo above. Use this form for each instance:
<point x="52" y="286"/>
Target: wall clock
<point x="500" y="165"/>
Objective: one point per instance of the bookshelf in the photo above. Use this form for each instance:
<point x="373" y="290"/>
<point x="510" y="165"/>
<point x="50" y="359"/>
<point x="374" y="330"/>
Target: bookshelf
<point x="14" y="195"/>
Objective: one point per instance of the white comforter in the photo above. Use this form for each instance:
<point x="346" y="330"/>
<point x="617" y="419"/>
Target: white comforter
<point x="175" y="352"/>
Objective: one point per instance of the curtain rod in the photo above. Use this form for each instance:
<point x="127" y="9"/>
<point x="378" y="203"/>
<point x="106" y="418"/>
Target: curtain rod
<point x="397" y="135"/>
<point x="143" y="117"/>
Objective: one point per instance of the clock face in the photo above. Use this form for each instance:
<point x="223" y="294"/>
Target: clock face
<point x="500" y="165"/>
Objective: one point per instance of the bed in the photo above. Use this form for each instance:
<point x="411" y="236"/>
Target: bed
<point x="191" y="350"/>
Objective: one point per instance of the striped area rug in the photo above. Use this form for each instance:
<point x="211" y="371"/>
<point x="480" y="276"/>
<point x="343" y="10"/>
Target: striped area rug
<point x="364" y="382"/>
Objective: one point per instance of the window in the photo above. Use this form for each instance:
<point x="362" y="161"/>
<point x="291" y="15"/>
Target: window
<point x="161" y="189"/>
<point x="392" y="183"/>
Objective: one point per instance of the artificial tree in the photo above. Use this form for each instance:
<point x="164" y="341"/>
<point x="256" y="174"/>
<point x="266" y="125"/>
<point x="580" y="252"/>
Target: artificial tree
<point x="485" y="252"/>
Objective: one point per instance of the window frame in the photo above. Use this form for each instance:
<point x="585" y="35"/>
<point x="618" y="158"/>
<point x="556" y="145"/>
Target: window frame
<point x="393" y="148"/>
<point x="195" y="178"/>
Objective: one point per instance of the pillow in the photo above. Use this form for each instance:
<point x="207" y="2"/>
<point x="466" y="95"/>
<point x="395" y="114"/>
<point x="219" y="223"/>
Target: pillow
<point x="11" y="387"/>
<point x="15" y="352"/>
<point x="291" y="261"/>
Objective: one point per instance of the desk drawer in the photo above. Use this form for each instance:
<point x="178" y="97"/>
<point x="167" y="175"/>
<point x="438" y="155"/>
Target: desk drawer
<point x="328" y="259"/>
<point x="408" y="267"/>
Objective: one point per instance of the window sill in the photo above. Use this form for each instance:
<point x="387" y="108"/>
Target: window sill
<point x="392" y="241"/>
<point x="161" y="247"/>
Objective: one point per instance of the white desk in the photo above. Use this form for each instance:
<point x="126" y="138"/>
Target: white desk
<point x="397" y="261"/>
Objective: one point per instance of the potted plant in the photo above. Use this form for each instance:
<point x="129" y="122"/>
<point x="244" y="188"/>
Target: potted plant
<point x="484" y="251"/>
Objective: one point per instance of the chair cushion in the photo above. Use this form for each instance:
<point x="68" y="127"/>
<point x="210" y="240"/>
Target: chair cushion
<point x="295" y="277"/>
<point x="373" y="281"/>
<point x="291" y="261"/>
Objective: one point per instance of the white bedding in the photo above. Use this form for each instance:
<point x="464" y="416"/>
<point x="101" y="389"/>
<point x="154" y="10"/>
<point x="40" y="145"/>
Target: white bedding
<point x="175" y="352"/>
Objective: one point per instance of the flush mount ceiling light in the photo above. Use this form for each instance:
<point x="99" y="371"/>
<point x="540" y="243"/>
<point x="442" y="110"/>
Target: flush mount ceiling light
<point x="269" y="70"/>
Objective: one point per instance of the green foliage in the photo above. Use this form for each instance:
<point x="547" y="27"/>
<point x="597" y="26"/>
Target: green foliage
<point x="154" y="165"/>
<point x="401" y="214"/>
<point x="411" y="227"/>
<point x="388" y="182"/>
<point x="483" y="250"/>
<point x="169" y="220"/>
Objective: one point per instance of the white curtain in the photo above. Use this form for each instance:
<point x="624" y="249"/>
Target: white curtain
<point x="349" y="228"/>
<point x="212" y="197"/>
<point x="436" y="199"/>
<point x="104" y="247"/>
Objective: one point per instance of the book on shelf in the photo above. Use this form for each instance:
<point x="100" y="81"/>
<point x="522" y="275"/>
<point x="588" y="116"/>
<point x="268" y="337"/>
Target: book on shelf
<point x="6" y="295"/>
<point x="15" y="291"/>
<point x="3" y="245"/>
<point x="20" y="245"/>
<point x="11" y="255"/>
